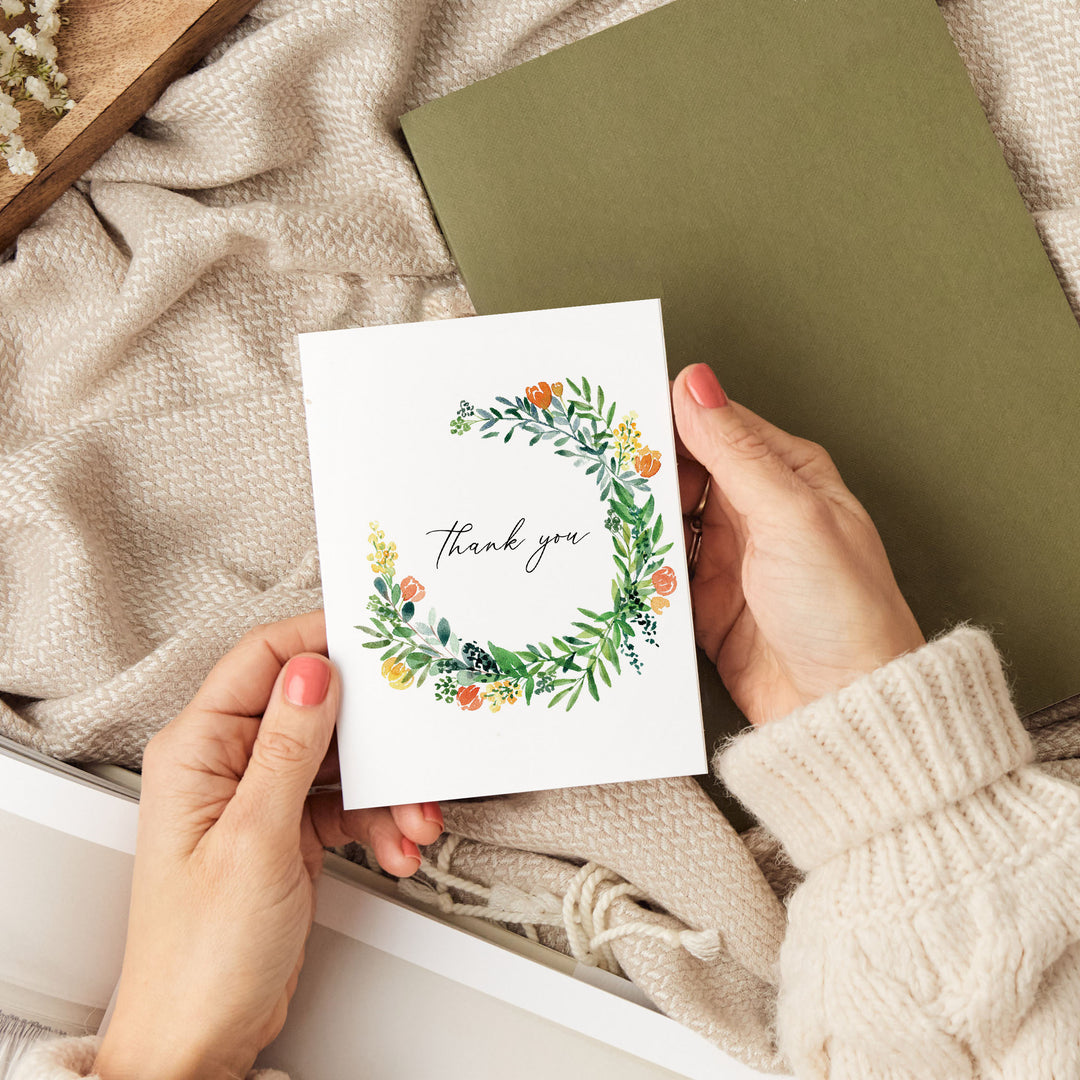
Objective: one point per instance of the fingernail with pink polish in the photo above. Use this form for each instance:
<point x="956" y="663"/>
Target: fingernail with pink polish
<point x="307" y="678"/>
<point x="704" y="387"/>
<point x="410" y="850"/>
<point x="433" y="813"/>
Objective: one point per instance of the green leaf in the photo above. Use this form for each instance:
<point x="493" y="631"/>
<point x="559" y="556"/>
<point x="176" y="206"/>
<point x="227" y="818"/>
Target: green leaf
<point x="423" y="676"/>
<point x="380" y="586"/>
<point x="370" y="631"/>
<point x="562" y="693"/>
<point x="561" y="645"/>
<point x="573" y="386"/>
<point x="614" y="591"/>
<point x="664" y="550"/>
<point x="506" y="439"/>
<point x="396" y="595"/>
<point x="611" y="415"/>
<point x="592" y="685"/>
<point x="574" y="696"/>
<point x="589" y="614"/>
<point x="376" y="644"/>
<point x="576" y="641"/>
<point x="570" y="411"/>
<point x="490" y="435"/>
<point x="647" y="510"/>
<point x="534" y="440"/>
<point x="417" y="659"/>
<point x="587" y="388"/>
<point x="622" y="512"/>
<point x="443" y="631"/>
<point x="530" y="685"/>
<point x="508" y="662"/>
<point x="466" y="677"/>
<point x="624" y="496"/>
<point x="658" y="528"/>
<point x="392" y="651"/>
<point x="603" y="671"/>
<point x="408" y="609"/>
<point x="600" y="398"/>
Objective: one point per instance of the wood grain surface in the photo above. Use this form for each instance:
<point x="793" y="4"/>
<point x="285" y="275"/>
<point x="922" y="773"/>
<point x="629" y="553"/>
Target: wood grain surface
<point x="118" y="56"/>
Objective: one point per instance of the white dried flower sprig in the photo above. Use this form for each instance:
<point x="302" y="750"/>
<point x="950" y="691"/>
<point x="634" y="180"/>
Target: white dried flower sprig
<point x="28" y="72"/>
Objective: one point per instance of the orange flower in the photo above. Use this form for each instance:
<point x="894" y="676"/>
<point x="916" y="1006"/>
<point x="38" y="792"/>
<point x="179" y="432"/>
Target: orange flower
<point x="556" y="389"/>
<point x="664" y="581"/>
<point x="470" y="698"/>
<point x="398" y="673"/>
<point x="647" y="462"/>
<point x="658" y="603"/>
<point x="539" y="395"/>
<point x="411" y="589"/>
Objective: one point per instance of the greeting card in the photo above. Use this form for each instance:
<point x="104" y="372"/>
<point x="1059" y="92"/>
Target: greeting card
<point x="501" y="546"/>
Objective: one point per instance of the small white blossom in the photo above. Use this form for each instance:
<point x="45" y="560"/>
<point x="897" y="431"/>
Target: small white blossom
<point x="9" y="115"/>
<point x="38" y="89"/>
<point x="46" y="50"/>
<point x="59" y="79"/>
<point x="48" y="25"/>
<point x="24" y="40"/>
<point x="43" y="7"/>
<point x="22" y="162"/>
<point x="12" y="8"/>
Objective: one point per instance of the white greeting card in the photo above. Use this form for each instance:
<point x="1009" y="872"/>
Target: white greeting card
<point x="501" y="545"/>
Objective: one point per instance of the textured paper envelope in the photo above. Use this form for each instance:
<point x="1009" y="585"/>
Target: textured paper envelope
<point x="816" y="194"/>
<point x="502" y="553"/>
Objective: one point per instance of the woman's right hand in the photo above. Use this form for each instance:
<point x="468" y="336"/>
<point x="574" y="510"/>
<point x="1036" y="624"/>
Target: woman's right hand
<point x="793" y="594"/>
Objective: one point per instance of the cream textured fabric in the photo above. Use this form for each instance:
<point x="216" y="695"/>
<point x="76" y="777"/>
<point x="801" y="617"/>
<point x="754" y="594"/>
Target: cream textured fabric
<point x="154" y="494"/>
<point x="70" y="1059"/>
<point x="937" y="933"/>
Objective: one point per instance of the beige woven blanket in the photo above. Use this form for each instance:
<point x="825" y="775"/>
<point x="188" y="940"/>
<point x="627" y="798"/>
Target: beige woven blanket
<point x="154" y="492"/>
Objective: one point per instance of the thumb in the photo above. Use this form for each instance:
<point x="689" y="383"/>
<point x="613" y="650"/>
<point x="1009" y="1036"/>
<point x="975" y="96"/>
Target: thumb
<point x="721" y="436"/>
<point x="292" y="741"/>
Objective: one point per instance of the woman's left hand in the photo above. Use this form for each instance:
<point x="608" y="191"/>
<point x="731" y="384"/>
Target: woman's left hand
<point x="229" y="846"/>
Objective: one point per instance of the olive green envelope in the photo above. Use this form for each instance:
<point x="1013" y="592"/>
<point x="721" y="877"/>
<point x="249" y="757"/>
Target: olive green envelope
<point x="813" y="190"/>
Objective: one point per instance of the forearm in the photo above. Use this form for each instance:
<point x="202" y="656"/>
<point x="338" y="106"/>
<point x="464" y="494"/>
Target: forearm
<point x="937" y="931"/>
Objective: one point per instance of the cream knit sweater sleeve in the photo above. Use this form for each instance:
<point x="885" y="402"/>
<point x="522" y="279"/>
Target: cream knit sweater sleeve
<point x="937" y="933"/>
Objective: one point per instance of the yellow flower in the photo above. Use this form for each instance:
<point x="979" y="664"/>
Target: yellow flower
<point x="398" y="673"/>
<point x="382" y="562"/>
<point x="658" y="603"/>
<point x="627" y="440"/>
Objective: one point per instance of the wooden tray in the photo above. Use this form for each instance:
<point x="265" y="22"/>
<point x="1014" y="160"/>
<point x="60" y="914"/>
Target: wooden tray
<point x="118" y="56"/>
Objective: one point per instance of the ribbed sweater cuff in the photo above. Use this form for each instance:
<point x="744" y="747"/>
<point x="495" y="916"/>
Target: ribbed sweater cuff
<point x="921" y="732"/>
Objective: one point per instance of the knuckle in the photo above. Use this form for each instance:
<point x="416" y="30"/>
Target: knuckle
<point x="157" y="751"/>
<point x="746" y="442"/>
<point x="816" y="452"/>
<point x="257" y="633"/>
<point x="817" y="513"/>
<point x="278" y="749"/>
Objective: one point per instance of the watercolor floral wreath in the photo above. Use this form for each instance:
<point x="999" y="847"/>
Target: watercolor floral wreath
<point x="471" y="676"/>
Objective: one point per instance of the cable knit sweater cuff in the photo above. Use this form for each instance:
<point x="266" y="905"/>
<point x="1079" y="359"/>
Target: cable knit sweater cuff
<point x="923" y="731"/>
<point x="73" y="1059"/>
